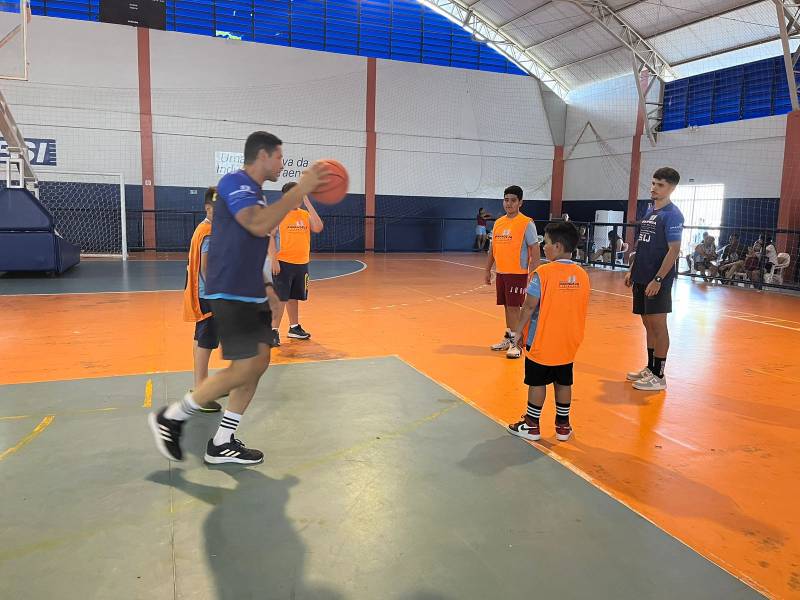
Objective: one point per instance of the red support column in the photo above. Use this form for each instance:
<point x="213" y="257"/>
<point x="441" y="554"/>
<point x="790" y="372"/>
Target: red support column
<point x="557" y="183"/>
<point x="146" y="137"/>
<point x="789" y="208"/>
<point x="370" y="162"/>
<point x="636" y="165"/>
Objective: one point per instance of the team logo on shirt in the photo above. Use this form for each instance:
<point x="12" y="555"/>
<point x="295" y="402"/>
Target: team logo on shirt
<point x="504" y="235"/>
<point x="570" y="283"/>
<point x="297" y="225"/>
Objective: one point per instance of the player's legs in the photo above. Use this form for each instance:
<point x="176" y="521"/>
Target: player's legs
<point x="293" y="308"/>
<point x="563" y="404"/>
<point x="658" y="332"/>
<point x="512" y="317"/>
<point x="201" y="357"/>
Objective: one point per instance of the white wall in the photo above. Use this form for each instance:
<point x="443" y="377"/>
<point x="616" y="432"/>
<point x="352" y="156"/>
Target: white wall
<point x="82" y="92"/>
<point x="460" y="133"/>
<point x="442" y="131"/>
<point x="597" y="163"/>
<point x="212" y="93"/>
<point x="746" y="156"/>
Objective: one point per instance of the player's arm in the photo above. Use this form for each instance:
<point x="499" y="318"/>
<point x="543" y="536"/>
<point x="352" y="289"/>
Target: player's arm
<point x="532" y="241"/>
<point x="272" y="253"/>
<point x="528" y="308"/>
<point x="489" y="263"/>
<point x="204" y="257"/>
<point x="258" y="219"/>
<point x="314" y="219"/>
<point x="673" y="230"/>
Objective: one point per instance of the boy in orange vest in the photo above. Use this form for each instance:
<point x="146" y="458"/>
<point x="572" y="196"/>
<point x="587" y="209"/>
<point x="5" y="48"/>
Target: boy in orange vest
<point x="551" y="329"/>
<point x="196" y="309"/>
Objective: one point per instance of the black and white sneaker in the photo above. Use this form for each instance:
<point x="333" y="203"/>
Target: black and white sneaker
<point x="275" y="339"/>
<point x="167" y="434"/>
<point x="297" y="332"/>
<point x="232" y="452"/>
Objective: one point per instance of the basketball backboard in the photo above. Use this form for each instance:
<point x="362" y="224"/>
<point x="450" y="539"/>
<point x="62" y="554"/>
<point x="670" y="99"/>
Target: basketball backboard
<point x="14" y="20"/>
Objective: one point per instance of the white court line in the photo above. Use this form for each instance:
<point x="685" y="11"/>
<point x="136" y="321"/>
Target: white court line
<point x="452" y="262"/>
<point x="597" y="483"/>
<point x="363" y="267"/>
<point x="686" y="445"/>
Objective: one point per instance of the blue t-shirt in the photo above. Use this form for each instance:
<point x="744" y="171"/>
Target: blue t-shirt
<point x="656" y="231"/>
<point x="201" y="281"/>
<point x="235" y="256"/>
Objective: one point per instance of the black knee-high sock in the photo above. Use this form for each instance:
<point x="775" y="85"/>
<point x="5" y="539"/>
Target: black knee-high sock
<point x="562" y="413"/>
<point x="650" y="352"/>
<point x="658" y="366"/>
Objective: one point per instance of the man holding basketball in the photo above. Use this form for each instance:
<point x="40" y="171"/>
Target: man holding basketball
<point x="235" y="290"/>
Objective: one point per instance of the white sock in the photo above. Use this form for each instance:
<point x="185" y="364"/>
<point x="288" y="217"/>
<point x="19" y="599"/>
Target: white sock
<point x="227" y="427"/>
<point x="182" y="410"/>
<point x="295" y="325"/>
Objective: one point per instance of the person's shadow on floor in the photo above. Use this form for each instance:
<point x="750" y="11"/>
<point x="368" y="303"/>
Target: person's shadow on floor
<point x="251" y="546"/>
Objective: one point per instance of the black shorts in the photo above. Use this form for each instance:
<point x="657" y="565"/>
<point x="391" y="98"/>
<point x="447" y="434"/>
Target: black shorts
<point x="659" y="304"/>
<point x="205" y="331"/>
<point x="537" y="375"/>
<point x="292" y="282"/>
<point x="242" y="326"/>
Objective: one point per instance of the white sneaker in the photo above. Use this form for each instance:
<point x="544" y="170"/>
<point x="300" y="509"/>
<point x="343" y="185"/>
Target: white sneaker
<point x="514" y="351"/>
<point x="651" y="384"/>
<point x="504" y="345"/>
<point x="637" y="375"/>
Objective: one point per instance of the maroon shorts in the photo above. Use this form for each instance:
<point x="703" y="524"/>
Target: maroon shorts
<point x="511" y="288"/>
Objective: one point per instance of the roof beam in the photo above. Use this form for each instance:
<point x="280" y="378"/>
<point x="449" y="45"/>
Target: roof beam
<point x="583" y="26"/>
<point x="523" y="15"/>
<point x="484" y="31"/>
<point x="614" y="24"/>
<point x="788" y="13"/>
<point x="705" y="18"/>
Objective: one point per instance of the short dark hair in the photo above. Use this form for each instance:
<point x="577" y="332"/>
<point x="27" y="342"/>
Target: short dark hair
<point x="258" y="141"/>
<point x="513" y="189"/>
<point x="564" y="233"/>
<point x="287" y="186"/>
<point x="211" y="196"/>
<point x="667" y="174"/>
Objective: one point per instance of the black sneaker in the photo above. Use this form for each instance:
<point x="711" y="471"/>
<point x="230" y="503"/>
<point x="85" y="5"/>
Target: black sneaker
<point x="275" y="340"/>
<point x="214" y="407"/>
<point x="167" y="434"/>
<point x="232" y="452"/>
<point x="297" y="332"/>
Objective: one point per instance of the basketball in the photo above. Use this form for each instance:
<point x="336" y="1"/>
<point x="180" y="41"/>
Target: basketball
<point x="334" y="189"/>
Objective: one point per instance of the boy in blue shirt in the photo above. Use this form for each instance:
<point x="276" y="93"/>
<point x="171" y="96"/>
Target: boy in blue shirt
<point x="652" y="273"/>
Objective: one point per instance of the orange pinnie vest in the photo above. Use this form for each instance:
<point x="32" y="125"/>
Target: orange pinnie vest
<point x="191" y="292"/>
<point x="508" y="237"/>
<point x="563" y="303"/>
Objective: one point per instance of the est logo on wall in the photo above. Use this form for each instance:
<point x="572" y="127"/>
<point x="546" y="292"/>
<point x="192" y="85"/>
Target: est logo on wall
<point x="40" y="151"/>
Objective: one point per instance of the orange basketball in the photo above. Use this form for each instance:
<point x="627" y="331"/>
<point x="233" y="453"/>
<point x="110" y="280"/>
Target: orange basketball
<point x="334" y="189"/>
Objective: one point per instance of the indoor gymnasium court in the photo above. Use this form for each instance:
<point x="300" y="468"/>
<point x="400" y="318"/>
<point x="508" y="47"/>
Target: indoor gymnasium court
<point x="385" y="417"/>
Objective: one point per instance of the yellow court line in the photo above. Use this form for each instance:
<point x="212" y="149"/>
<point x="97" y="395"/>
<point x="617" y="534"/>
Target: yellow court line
<point x="148" y="394"/>
<point x="43" y="424"/>
<point x="63" y="414"/>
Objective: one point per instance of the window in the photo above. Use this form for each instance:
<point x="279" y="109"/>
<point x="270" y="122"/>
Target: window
<point x="701" y="206"/>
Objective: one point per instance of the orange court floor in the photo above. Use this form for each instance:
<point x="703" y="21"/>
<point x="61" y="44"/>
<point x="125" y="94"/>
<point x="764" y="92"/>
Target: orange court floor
<point x="713" y="461"/>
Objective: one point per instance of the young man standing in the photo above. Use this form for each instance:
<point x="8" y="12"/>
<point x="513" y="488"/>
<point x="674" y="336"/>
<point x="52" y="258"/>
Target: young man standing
<point x="652" y="273"/>
<point x="515" y="249"/>
<point x="235" y="289"/>
<point x="290" y="250"/>
<point x="196" y="308"/>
